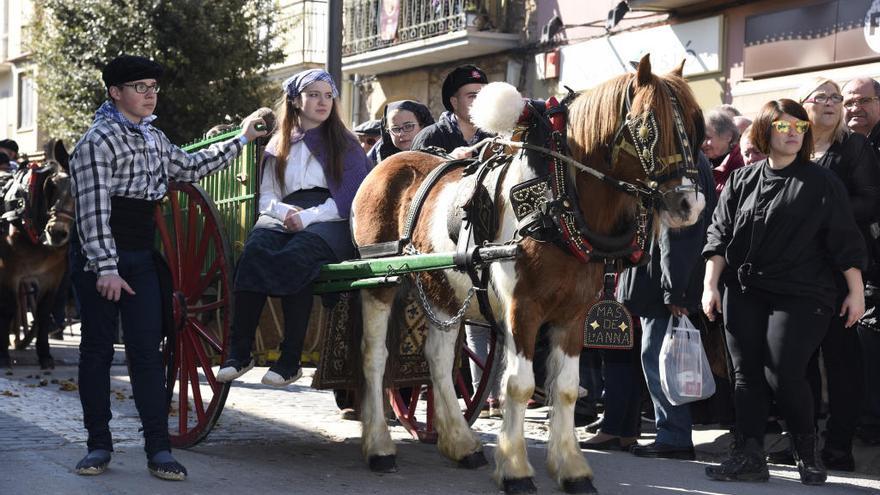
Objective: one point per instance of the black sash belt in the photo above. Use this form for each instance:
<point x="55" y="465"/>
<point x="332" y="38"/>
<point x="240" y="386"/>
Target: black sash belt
<point x="132" y="223"/>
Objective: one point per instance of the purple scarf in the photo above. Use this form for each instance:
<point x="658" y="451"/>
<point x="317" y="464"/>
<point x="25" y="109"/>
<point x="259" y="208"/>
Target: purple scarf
<point x="355" y="165"/>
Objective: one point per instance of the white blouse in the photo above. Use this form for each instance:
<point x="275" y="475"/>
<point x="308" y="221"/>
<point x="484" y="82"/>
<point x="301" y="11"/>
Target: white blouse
<point x="303" y="171"/>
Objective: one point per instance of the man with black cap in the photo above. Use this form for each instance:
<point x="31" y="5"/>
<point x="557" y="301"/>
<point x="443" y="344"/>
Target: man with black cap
<point x="368" y="133"/>
<point x="453" y="131"/>
<point x="10" y="149"/>
<point x="120" y="170"/>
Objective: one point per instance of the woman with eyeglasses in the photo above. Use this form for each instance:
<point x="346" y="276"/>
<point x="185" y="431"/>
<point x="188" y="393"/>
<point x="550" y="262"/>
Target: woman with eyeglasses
<point x="782" y="229"/>
<point x="400" y="124"/>
<point x="850" y="156"/>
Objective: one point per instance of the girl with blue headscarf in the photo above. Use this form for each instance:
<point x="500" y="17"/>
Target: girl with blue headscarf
<point x="312" y="168"/>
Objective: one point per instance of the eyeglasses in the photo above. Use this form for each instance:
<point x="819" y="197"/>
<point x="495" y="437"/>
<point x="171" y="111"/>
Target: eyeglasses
<point x="783" y="126"/>
<point x="822" y="98"/>
<point x="405" y="128"/>
<point x="142" y="88"/>
<point x="860" y="102"/>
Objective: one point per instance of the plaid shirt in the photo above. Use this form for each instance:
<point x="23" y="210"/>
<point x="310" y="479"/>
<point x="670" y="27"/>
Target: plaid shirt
<point x="113" y="159"/>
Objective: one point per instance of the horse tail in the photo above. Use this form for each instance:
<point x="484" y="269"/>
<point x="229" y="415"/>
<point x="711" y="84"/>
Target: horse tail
<point x="397" y="323"/>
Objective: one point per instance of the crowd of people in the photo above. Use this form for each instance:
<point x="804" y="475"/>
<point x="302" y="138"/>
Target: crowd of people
<point x="783" y="261"/>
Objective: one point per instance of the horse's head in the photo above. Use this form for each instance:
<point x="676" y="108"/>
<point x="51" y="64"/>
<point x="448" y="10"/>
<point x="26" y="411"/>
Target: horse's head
<point x="55" y="201"/>
<point x="645" y="130"/>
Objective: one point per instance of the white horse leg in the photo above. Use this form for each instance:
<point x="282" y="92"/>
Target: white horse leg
<point x="512" y="469"/>
<point x="455" y="438"/>
<point x="377" y="445"/>
<point x="565" y="461"/>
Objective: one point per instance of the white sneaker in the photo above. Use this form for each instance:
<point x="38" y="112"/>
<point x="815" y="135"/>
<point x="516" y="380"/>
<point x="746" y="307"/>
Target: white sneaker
<point x="276" y="380"/>
<point x="230" y="371"/>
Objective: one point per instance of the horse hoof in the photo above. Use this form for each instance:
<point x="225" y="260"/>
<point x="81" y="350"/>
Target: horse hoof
<point x="383" y="463"/>
<point x="515" y="486"/>
<point x="47" y="363"/>
<point x="579" y="485"/>
<point x="473" y="461"/>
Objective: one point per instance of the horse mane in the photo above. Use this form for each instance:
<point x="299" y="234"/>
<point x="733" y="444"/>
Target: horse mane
<point x="595" y="115"/>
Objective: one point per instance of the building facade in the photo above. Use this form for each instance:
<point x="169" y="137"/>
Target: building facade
<point x="19" y="99"/>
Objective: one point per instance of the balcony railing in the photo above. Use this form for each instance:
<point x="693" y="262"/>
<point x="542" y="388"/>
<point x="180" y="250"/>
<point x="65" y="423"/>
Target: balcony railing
<point x="368" y="27"/>
<point x="306" y="32"/>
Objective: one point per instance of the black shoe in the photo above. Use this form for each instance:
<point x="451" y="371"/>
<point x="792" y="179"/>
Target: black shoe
<point x="805" y="453"/>
<point x="162" y="465"/>
<point x="837" y="460"/>
<point x="94" y="463"/>
<point x="746" y="463"/>
<point x="233" y="368"/>
<point x="784" y="457"/>
<point x="612" y="443"/>
<point x="664" y="451"/>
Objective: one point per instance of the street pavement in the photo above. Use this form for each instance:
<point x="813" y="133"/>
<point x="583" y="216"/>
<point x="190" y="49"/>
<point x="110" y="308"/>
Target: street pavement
<point x="292" y="441"/>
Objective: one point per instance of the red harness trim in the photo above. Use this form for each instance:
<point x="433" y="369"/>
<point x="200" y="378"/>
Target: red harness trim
<point x="27" y="223"/>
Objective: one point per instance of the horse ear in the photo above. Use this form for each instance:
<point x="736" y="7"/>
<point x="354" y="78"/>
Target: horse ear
<point x="679" y="70"/>
<point x="643" y="72"/>
<point x="60" y="154"/>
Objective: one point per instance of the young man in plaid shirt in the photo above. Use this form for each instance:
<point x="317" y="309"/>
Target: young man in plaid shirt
<point x="120" y="170"/>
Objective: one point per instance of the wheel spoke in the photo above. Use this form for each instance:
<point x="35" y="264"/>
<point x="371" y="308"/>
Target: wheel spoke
<point x="205" y="280"/>
<point x="191" y="263"/>
<point x="194" y="379"/>
<point x="205" y="334"/>
<point x="463" y="388"/>
<point x="205" y="364"/>
<point x="473" y="357"/>
<point x="204" y="308"/>
<point x="178" y="241"/>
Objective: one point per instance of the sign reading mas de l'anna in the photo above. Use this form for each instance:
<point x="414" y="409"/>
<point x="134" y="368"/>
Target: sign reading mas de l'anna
<point x="820" y="35"/>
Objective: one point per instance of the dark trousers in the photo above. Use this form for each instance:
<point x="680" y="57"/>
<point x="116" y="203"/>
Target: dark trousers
<point x="771" y="338"/>
<point x="870" y="342"/>
<point x="296" y="309"/>
<point x="842" y="355"/>
<point x="623" y="392"/>
<point x="141" y="317"/>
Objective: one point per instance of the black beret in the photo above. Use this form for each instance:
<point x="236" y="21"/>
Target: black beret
<point x="125" y="68"/>
<point x="369" y="128"/>
<point x="465" y="74"/>
<point x="9" y="144"/>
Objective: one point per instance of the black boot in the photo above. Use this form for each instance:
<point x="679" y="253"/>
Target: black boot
<point x="805" y="453"/>
<point x="746" y="463"/>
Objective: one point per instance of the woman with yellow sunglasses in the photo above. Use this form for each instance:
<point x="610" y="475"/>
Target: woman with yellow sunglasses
<point x="781" y="231"/>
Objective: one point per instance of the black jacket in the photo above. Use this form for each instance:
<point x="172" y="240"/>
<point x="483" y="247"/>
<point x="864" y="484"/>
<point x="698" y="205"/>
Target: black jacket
<point x="786" y="231"/>
<point x="674" y="274"/>
<point x="854" y="161"/>
<point x="444" y="134"/>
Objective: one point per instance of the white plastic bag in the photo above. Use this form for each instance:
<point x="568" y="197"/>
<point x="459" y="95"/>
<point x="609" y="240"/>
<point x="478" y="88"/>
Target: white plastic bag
<point x="685" y="375"/>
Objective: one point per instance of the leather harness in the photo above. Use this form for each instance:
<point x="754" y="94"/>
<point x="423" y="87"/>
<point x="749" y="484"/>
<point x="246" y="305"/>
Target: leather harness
<point x="547" y="207"/>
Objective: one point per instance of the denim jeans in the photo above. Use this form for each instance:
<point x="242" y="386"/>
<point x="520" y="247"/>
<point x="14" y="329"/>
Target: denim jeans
<point x="478" y="342"/>
<point x="674" y="423"/>
<point x="141" y="316"/>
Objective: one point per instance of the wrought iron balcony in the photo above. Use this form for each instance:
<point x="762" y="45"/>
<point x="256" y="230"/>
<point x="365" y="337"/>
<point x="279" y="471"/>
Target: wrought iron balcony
<point x="387" y="35"/>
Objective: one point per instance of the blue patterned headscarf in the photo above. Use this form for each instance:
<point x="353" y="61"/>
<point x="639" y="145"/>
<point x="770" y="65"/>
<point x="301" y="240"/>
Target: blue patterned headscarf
<point x="295" y="84"/>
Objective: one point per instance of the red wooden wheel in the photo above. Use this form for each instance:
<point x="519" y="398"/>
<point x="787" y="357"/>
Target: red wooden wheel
<point x="417" y="414"/>
<point x="198" y="254"/>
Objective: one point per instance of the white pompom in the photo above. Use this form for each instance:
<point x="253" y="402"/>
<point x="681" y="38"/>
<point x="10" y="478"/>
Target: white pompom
<point x="497" y="108"/>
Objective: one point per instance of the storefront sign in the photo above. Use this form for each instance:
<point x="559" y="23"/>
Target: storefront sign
<point x="814" y="36"/>
<point x="587" y="64"/>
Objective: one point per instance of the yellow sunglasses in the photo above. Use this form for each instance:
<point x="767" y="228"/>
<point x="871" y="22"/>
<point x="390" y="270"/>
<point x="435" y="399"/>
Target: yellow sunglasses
<point x="783" y="126"/>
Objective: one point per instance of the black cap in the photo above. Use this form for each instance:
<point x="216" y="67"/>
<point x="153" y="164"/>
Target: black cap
<point x="369" y="128"/>
<point x="465" y="74"/>
<point x="9" y="144"/>
<point x="125" y="68"/>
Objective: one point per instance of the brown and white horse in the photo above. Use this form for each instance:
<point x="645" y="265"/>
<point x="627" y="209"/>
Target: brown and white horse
<point x="33" y="256"/>
<point x="545" y="286"/>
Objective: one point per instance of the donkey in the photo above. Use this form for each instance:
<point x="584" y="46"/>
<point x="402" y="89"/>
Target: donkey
<point x="608" y="135"/>
<point x="33" y="256"/>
